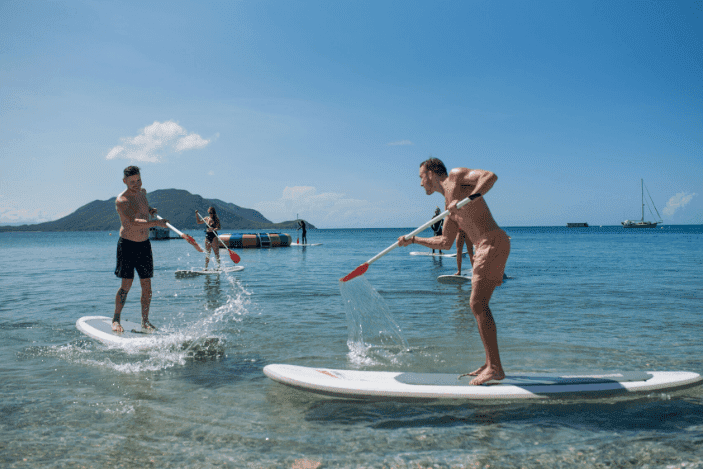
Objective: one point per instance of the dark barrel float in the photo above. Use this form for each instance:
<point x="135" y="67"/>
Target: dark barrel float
<point x="256" y="240"/>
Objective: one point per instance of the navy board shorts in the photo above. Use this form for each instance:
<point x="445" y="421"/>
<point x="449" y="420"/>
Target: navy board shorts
<point x="133" y="255"/>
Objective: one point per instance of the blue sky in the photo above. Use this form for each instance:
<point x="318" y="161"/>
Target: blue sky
<point x="325" y="109"/>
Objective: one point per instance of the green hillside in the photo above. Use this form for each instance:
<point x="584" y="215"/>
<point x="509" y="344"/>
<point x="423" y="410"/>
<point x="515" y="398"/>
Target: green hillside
<point x="176" y="205"/>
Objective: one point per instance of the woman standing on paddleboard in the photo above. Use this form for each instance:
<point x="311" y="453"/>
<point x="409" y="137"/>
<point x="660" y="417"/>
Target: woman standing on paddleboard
<point x="213" y="224"/>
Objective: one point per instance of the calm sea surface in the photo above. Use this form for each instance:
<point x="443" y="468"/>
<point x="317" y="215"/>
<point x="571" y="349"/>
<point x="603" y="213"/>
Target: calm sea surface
<point x="580" y="299"/>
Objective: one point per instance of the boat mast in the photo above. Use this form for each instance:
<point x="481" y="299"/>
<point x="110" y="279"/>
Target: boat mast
<point x="642" y="187"/>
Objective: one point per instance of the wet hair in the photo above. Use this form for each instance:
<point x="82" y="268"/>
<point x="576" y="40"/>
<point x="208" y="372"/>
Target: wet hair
<point x="131" y="171"/>
<point x="435" y="165"/>
<point x="214" y="218"/>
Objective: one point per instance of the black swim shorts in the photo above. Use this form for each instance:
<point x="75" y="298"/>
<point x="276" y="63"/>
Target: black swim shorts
<point x="134" y="255"/>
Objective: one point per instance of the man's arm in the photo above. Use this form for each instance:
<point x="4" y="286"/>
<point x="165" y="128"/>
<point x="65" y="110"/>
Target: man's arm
<point x="152" y="210"/>
<point x="128" y="217"/>
<point x="478" y="181"/>
<point x="442" y="242"/>
<point x="469" y="183"/>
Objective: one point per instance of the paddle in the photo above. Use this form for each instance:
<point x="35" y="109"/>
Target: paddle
<point x="232" y="255"/>
<point x="183" y="235"/>
<point x="361" y="270"/>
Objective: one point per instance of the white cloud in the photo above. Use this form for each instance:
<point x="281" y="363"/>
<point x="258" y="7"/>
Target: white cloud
<point x="155" y="140"/>
<point x="325" y="210"/>
<point x="191" y="142"/>
<point x="676" y="202"/>
<point x="401" y="142"/>
<point x="11" y="216"/>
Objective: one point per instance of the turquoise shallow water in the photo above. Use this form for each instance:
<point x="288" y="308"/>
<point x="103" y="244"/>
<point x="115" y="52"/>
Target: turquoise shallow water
<point x="579" y="299"/>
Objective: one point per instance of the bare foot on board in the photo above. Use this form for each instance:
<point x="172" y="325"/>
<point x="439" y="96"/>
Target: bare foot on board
<point x="117" y="327"/>
<point x="488" y="374"/>
<point x="147" y="326"/>
<point x="474" y="373"/>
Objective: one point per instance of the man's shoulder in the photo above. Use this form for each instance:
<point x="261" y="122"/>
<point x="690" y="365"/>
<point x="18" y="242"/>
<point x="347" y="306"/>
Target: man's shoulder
<point x="459" y="172"/>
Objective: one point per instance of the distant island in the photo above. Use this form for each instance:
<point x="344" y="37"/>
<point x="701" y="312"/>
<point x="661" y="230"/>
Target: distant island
<point x="176" y="205"/>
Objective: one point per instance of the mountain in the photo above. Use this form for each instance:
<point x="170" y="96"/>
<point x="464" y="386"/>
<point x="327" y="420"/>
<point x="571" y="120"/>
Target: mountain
<point x="176" y="205"/>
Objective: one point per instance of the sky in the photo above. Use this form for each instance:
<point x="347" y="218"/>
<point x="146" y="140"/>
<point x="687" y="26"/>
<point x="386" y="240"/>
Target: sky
<point x="324" y="110"/>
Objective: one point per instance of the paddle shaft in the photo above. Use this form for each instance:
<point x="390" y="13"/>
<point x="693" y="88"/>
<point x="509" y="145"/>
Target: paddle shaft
<point x="235" y="258"/>
<point x="171" y="226"/>
<point x="361" y="270"/>
<point x="183" y="235"/>
<point x="439" y="217"/>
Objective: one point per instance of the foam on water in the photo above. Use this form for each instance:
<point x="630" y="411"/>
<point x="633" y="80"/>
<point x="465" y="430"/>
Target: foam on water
<point x="172" y="346"/>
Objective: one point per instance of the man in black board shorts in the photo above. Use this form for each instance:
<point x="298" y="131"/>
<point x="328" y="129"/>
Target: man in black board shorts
<point x="133" y="247"/>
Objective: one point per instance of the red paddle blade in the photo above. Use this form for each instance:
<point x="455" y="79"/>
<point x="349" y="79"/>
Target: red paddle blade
<point x="233" y="255"/>
<point x="192" y="241"/>
<point x="361" y="270"/>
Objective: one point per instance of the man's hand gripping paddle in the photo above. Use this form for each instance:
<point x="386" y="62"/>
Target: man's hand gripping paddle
<point x="183" y="235"/>
<point x="361" y="270"/>
<point x="232" y="255"/>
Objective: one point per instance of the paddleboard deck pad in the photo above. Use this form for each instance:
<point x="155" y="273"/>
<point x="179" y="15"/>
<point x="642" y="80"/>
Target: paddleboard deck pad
<point x="195" y="273"/>
<point x="392" y="385"/>
<point x="436" y="254"/>
<point x="100" y="328"/>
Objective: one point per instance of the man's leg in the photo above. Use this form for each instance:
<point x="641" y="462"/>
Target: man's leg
<point x="146" y="302"/>
<point x="207" y="250"/>
<point x="120" y="300"/>
<point x="481" y="292"/>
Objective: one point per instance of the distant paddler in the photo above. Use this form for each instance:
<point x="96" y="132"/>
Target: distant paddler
<point x="437" y="227"/>
<point x="134" y="247"/>
<point x="302" y="226"/>
<point x="492" y="246"/>
<point x="212" y="222"/>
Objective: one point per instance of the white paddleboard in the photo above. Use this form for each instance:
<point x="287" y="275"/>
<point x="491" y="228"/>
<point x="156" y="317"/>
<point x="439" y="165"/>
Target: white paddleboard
<point x="454" y="279"/>
<point x="301" y="244"/>
<point x="436" y="254"/>
<point x="394" y="385"/>
<point x="100" y="328"/>
<point x="459" y="279"/>
<point x="195" y="272"/>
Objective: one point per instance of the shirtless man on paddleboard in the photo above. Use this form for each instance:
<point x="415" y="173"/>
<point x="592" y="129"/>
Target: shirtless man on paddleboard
<point x="492" y="247"/>
<point x="133" y="247"/>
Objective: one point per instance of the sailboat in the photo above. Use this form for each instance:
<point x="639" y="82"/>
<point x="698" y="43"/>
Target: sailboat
<point x="642" y="223"/>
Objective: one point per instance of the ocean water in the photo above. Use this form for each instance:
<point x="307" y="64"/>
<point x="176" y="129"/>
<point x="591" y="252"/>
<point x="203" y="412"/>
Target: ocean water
<point x="580" y="299"/>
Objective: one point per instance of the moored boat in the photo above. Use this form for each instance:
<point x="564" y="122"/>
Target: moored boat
<point x="642" y="223"/>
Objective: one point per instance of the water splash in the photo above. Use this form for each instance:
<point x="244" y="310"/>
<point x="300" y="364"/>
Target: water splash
<point x="173" y="345"/>
<point x="373" y="334"/>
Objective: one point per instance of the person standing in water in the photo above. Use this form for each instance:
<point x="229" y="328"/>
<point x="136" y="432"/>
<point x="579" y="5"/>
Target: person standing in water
<point x="134" y="247"/>
<point x="437" y="227"/>
<point x="301" y="225"/>
<point x="211" y="242"/>
<point x="460" y="241"/>
<point x="492" y="247"/>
